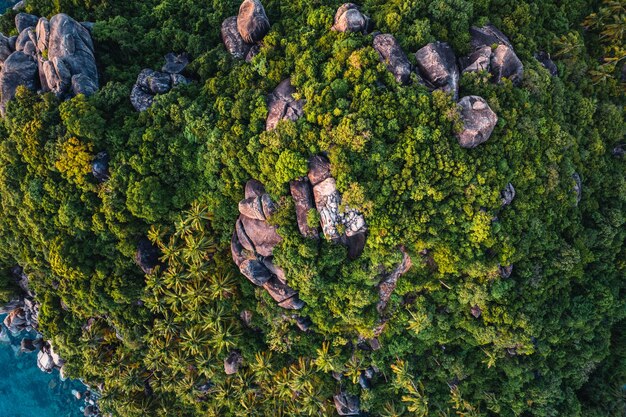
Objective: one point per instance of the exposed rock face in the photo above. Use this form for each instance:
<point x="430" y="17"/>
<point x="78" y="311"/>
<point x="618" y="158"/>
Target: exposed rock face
<point x="388" y="285"/>
<point x="578" y="187"/>
<point x="394" y="57"/>
<point x="282" y="105"/>
<point x="252" y="245"/>
<point x="437" y="65"/>
<point x="502" y="61"/>
<point x="478" y="121"/>
<point x="302" y="195"/>
<point x="72" y="64"/>
<point x="346" y="404"/>
<point x="350" y="19"/>
<point x="232" y="39"/>
<point x="18" y="69"/>
<point x="147" y="256"/>
<point x="328" y="202"/>
<point x="252" y="22"/>
<point x="100" y="166"/>
<point x="24" y="21"/>
<point x="545" y="60"/>
<point x="151" y="83"/>
<point x="232" y="363"/>
<point x="507" y="195"/>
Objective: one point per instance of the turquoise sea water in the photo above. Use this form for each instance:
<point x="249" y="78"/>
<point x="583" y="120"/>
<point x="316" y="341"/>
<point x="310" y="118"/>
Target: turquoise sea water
<point x="25" y="391"/>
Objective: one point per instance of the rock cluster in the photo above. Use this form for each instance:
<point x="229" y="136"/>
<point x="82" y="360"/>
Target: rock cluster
<point x="349" y="18"/>
<point x="507" y="195"/>
<point x="502" y="61"/>
<point x="338" y="225"/>
<point x="437" y="66"/>
<point x="48" y="360"/>
<point x="243" y="33"/>
<point x="393" y="56"/>
<point x="151" y="83"/>
<point x="252" y="245"/>
<point x="55" y="55"/>
<point x="282" y="105"/>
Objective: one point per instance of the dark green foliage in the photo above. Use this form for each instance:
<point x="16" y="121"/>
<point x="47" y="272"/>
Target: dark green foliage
<point x="549" y="340"/>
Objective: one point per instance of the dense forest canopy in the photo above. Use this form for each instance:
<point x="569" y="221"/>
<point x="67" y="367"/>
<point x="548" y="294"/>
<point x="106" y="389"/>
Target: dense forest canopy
<point x="457" y="337"/>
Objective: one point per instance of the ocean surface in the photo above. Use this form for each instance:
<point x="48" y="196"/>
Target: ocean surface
<point x="26" y="391"/>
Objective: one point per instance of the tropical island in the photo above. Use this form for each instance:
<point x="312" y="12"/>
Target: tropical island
<point x="317" y="208"/>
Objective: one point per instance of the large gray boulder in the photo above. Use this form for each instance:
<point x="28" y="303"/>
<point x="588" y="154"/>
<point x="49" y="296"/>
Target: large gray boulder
<point x="25" y="20"/>
<point x="263" y="235"/>
<point x="233" y="41"/>
<point x="18" y="69"/>
<point x="437" y="65"/>
<point x="545" y="60"/>
<point x="479" y="60"/>
<point x="505" y="64"/>
<point x="393" y="56"/>
<point x="350" y="19"/>
<point x="43" y="34"/>
<point x="100" y="167"/>
<point x="6" y="48"/>
<point x="252" y="22"/>
<point x="488" y="35"/>
<point x="175" y="63"/>
<point x="71" y="52"/>
<point x="478" y="121"/>
<point x="282" y="105"/>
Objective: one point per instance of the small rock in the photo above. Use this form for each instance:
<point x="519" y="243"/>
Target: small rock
<point x="100" y="166"/>
<point x="175" y="63"/>
<point x="28" y="346"/>
<point x="147" y="256"/>
<point x="437" y="65"/>
<point x="254" y="188"/>
<point x="507" y="195"/>
<point x="479" y="60"/>
<point x="234" y="43"/>
<point x="6" y="49"/>
<point x="18" y="69"/>
<point x="246" y="317"/>
<point x="319" y="169"/>
<point x="302" y="195"/>
<point x="578" y="187"/>
<point x="303" y="323"/>
<point x="282" y="105"/>
<point x="347" y="405"/>
<point x="544" y="59"/>
<point x="252" y="22"/>
<point x="293" y="303"/>
<point x="232" y="363"/>
<point x="350" y="19"/>
<point x="478" y="121"/>
<point x="394" y="57"/>
<point x="505" y="271"/>
<point x="255" y="271"/>
<point x="278" y="290"/>
<point x="619" y="151"/>
<point x="263" y="235"/>
<point x="476" y="311"/>
<point x="488" y="35"/>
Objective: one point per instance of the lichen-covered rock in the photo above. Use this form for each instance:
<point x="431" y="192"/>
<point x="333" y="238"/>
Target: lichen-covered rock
<point x="252" y="22"/>
<point x="71" y="51"/>
<point x="147" y="256"/>
<point x="508" y="194"/>
<point x="478" y="121"/>
<point x="282" y="105"/>
<point x="327" y="201"/>
<point x="349" y="18"/>
<point x="100" y="166"/>
<point x="346" y="404"/>
<point x="18" y="69"/>
<point x="394" y="57"/>
<point x="545" y="60"/>
<point x="234" y="43"/>
<point x="437" y="65"/>
<point x="140" y="99"/>
<point x="505" y="64"/>
<point x="302" y="195"/>
<point x="25" y="20"/>
<point x="479" y="60"/>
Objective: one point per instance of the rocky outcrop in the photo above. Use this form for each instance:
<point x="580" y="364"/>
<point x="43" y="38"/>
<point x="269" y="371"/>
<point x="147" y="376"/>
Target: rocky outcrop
<point x="19" y="69"/>
<point x="24" y="21"/>
<point x="507" y="195"/>
<point x="100" y="167"/>
<point x="243" y="33"/>
<point x="393" y="56"/>
<point x="332" y="216"/>
<point x="147" y="256"/>
<point x="302" y="195"/>
<point x="478" y="121"/>
<point x="388" y="285"/>
<point x="437" y="66"/>
<point x="578" y="187"/>
<point x="252" y="22"/>
<point x="253" y="243"/>
<point x="151" y="83"/>
<point x="349" y="18"/>
<point x="282" y="105"/>
<point x="48" y="360"/>
<point x="501" y="61"/>
<point x="545" y="60"/>
<point x="346" y="404"/>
